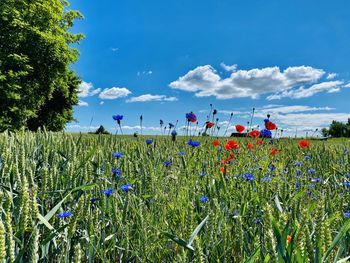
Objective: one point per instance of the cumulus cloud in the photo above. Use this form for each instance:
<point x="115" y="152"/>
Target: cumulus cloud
<point x="205" y="81"/>
<point x="114" y="93"/>
<point x="331" y="75"/>
<point x="228" y="67"/>
<point x="86" y="89"/>
<point x="83" y="103"/>
<point x="149" y="97"/>
<point x="329" y="87"/>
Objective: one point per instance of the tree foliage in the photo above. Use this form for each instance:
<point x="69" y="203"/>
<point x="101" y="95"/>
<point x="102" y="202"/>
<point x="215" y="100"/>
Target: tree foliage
<point x="337" y="129"/>
<point x="37" y="86"/>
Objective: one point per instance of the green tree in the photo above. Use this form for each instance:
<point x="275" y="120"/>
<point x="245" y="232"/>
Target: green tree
<point x="37" y="86"/>
<point x="339" y="129"/>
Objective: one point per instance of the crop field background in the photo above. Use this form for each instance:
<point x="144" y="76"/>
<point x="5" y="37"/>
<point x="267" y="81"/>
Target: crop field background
<point x="86" y="198"/>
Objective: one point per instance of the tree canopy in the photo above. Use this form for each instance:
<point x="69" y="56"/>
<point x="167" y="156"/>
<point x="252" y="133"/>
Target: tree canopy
<point x="337" y="129"/>
<point x="37" y="86"/>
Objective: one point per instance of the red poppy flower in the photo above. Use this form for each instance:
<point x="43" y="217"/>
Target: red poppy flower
<point x="274" y="151"/>
<point x="289" y="239"/>
<point x="259" y="142"/>
<point x="270" y="126"/>
<point x="254" y="134"/>
<point x="304" y="144"/>
<point x="209" y="124"/>
<point x="222" y="169"/>
<point x="227" y="147"/>
<point x="233" y="144"/>
<point x="231" y="157"/>
<point x="240" y="128"/>
<point x="250" y="146"/>
<point x="216" y="143"/>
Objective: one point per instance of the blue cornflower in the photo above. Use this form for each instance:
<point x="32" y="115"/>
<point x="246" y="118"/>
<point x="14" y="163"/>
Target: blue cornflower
<point x="167" y="163"/>
<point x="117" y="117"/>
<point x="267" y="178"/>
<point x="315" y="180"/>
<point x="65" y="214"/>
<point x="266" y="133"/>
<point x="248" y="176"/>
<point x="117" y="155"/>
<point x="266" y="120"/>
<point x="346" y="184"/>
<point x="116" y="171"/>
<point x="108" y="192"/>
<point x="347" y="175"/>
<point x="219" y="149"/>
<point x="297" y="172"/>
<point x="312" y="171"/>
<point x="297" y="185"/>
<point x="272" y="167"/>
<point x="93" y="200"/>
<point x="202" y="174"/>
<point x="256" y="221"/>
<point x="181" y="153"/>
<point x="347" y="214"/>
<point x="204" y="199"/>
<point x="307" y="157"/>
<point x="126" y="187"/>
<point x="193" y="143"/>
<point x="171" y="125"/>
<point x="298" y="164"/>
<point x="149" y="141"/>
<point x="173" y="133"/>
<point x="191" y="117"/>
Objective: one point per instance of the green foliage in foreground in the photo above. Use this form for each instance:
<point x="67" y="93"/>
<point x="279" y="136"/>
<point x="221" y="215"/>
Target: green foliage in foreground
<point x="162" y="218"/>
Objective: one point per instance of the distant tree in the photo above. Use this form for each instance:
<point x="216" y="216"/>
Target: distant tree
<point x="338" y="129"/>
<point x="37" y="87"/>
<point x="101" y="130"/>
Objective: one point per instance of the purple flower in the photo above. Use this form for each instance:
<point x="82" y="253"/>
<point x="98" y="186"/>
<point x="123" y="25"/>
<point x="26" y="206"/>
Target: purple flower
<point x="64" y="214"/>
<point x="193" y="143"/>
<point x="191" y="117"/>
<point x="149" y="141"/>
<point x="248" y="176"/>
<point x="117" y="155"/>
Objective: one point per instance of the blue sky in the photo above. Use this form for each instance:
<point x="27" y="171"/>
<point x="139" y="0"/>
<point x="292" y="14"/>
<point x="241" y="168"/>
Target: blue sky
<point x="164" y="58"/>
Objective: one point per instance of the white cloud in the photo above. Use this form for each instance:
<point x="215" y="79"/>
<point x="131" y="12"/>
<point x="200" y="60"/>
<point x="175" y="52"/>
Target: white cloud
<point x="114" y="93"/>
<point x="83" y="103"/>
<point x="115" y="49"/>
<point x="148" y="72"/>
<point x="228" y="67"/>
<point x="86" y="89"/>
<point x="347" y="85"/>
<point x="149" y="97"/>
<point x="331" y="75"/>
<point x="204" y="81"/>
<point x="81" y="127"/>
<point x="329" y="87"/>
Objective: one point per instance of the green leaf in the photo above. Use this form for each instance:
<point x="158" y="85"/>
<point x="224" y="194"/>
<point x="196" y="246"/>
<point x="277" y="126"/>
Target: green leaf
<point x="254" y="256"/>
<point x="343" y="260"/>
<point x="45" y="222"/>
<point x="196" y="231"/>
<point x="278" y="204"/>
<point x="179" y="241"/>
<point x="337" y="239"/>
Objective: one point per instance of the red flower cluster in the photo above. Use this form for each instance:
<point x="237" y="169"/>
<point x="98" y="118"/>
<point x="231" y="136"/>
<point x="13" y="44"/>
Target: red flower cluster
<point x="304" y="144"/>
<point x="250" y="146"/>
<point x="270" y="125"/>
<point x="231" y="144"/>
<point x="216" y="143"/>
<point x="254" y="134"/>
<point x="209" y="124"/>
<point x="240" y="128"/>
<point x="274" y="151"/>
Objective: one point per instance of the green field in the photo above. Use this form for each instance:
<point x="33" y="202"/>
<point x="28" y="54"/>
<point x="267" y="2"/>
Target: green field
<point x="258" y="207"/>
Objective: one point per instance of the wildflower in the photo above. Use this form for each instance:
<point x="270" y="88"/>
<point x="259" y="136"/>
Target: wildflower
<point x="254" y="134"/>
<point x="233" y="144"/>
<point x="202" y="174"/>
<point x="274" y="151"/>
<point x="267" y="178"/>
<point x="64" y="214"/>
<point x="347" y="214"/>
<point x="181" y="153"/>
<point x="346" y="184"/>
<point x="347" y="175"/>
<point x="266" y="120"/>
<point x="167" y="163"/>
<point x="259" y="142"/>
<point x="117" y="117"/>
<point x="239" y="128"/>
<point x="116" y="171"/>
<point x="117" y="155"/>
<point x="250" y="146"/>
<point x="93" y="200"/>
<point x="204" y="199"/>
<point x="173" y="133"/>
<point x="297" y="172"/>
<point x="222" y="169"/>
<point x="312" y="171"/>
<point x="191" y="117"/>
<point x="161" y="122"/>
<point x="256" y="221"/>
<point x="307" y="157"/>
<point x="248" y="176"/>
<point x="193" y="143"/>
<point x="126" y="187"/>
<point x="304" y="144"/>
<point x="296" y="185"/>
<point x="298" y="164"/>
<point x="315" y="180"/>
<point x="216" y="143"/>
<point x="289" y="239"/>
<point x="149" y="141"/>
<point x="270" y="126"/>
<point x="272" y="167"/>
<point x="171" y="125"/>
<point x="266" y="133"/>
<point x="209" y="124"/>
<point x="108" y="192"/>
